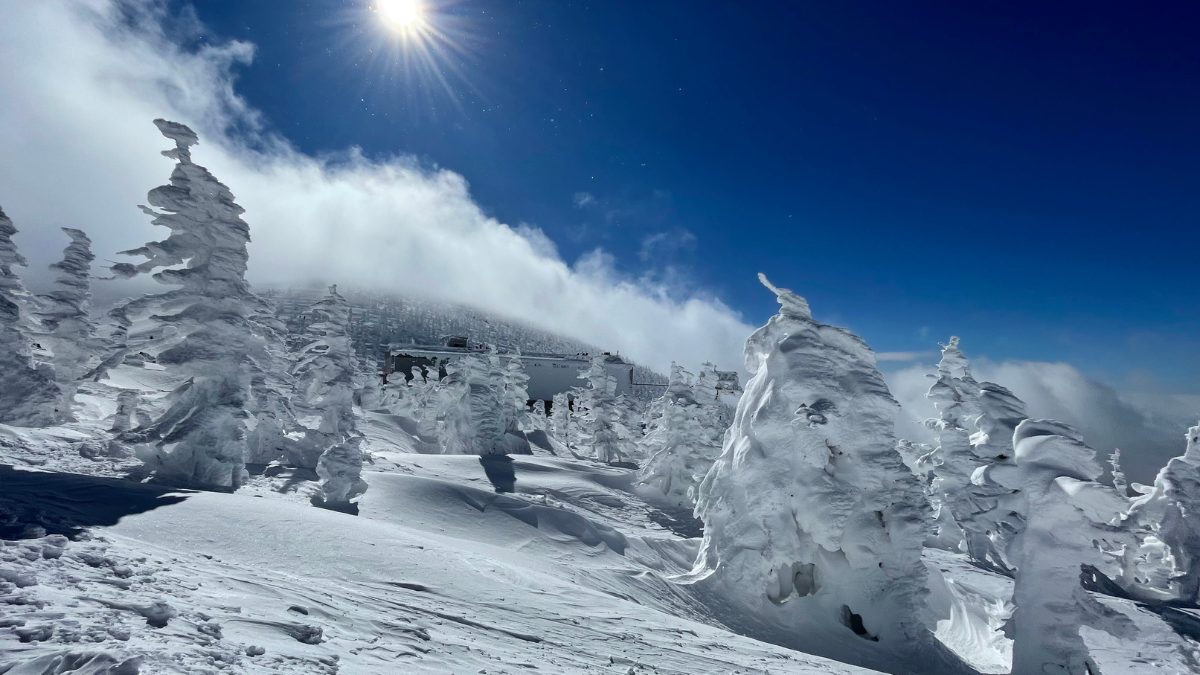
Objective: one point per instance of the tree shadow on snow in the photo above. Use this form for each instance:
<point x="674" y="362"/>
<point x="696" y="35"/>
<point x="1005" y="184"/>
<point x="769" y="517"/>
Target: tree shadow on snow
<point x="500" y="471"/>
<point x="349" y="508"/>
<point x="34" y="503"/>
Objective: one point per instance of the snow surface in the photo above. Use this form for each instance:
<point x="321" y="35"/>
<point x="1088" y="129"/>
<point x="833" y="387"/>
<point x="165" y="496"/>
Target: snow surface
<point x="439" y="574"/>
<point x="570" y="572"/>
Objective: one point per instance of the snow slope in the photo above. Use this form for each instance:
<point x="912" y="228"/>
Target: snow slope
<point x="569" y="570"/>
<point x="435" y="576"/>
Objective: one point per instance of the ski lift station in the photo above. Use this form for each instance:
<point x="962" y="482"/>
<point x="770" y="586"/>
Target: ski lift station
<point x="549" y="374"/>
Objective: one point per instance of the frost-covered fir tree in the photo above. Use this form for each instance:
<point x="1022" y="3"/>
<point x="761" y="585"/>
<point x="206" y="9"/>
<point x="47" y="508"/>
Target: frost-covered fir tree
<point x="678" y="446"/>
<point x="516" y="386"/>
<point x="1170" y="511"/>
<point x="476" y="408"/>
<point x="324" y="378"/>
<point x="491" y="405"/>
<point x="65" y="326"/>
<point x="199" y="330"/>
<point x="954" y="394"/>
<point x="716" y="414"/>
<point x="1068" y="512"/>
<point x="452" y="405"/>
<point x="271" y="382"/>
<point x="324" y="373"/>
<point x="600" y="420"/>
<point x="560" y="419"/>
<point x="970" y="509"/>
<point x="29" y="396"/>
<point x="809" y="505"/>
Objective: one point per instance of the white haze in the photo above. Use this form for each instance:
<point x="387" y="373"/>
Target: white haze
<point x="81" y="89"/>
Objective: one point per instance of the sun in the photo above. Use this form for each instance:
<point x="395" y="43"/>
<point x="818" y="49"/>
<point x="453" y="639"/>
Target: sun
<point x="401" y="15"/>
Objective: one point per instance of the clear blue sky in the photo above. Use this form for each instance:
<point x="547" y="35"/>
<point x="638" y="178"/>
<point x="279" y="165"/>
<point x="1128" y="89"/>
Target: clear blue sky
<point x="1026" y="175"/>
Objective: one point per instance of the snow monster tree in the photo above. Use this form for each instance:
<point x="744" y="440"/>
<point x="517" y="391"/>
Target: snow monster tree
<point x="201" y="329"/>
<point x="1170" y="509"/>
<point x="677" y="443"/>
<point x="809" y="507"/>
<point x="324" y="374"/>
<point x="1069" y="526"/>
<point x="972" y="512"/>
<point x="66" y="328"/>
<point x="29" y="396"/>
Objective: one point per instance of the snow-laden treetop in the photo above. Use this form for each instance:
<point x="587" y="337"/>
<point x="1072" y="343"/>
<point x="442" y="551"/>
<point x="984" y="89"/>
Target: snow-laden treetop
<point x="207" y="230"/>
<point x="954" y="363"/>
<point x="183" y="136"/>
<point x="790" y="304"/>
<point x="1056" y="448"/>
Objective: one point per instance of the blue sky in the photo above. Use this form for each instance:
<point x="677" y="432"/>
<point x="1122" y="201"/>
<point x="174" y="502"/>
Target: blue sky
<point x="1025" y="175"/>
<point x="1022" y="176"/>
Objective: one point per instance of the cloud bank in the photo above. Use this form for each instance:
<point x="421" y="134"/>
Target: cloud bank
<point x="1148" y="429"/>
<point x="83" y="80"/>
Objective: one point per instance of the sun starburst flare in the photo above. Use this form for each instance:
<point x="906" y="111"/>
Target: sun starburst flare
<point x="403" y="16"/>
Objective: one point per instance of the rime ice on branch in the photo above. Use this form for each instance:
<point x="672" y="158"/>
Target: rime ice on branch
<point x="809" y="501"/>
<point x="29" y="395"/>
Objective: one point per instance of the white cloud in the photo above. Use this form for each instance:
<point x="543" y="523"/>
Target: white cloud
<point x="583" y="199"/>
<point x="1148" y="429"/>
<point x="80" y="150"/>
<point x="666" y="244"/>
<point x="543" y="245"/>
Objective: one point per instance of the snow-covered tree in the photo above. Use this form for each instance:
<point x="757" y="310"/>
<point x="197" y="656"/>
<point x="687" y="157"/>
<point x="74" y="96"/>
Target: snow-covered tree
<point x="1170" y="512"/>
<point x="971" y="510"/>
<point x="271" y="383"/>
<point x="29" y="395"/>
<point x="677" y="444"/>
<point x="200" y="329"/>
<point x="954" y="394"/>
<point x="809" y="502"/>
<point x="491" y="405"/>
<point x="1068" y="512"/>
<point x="324" y="373"/>
<point x="476" y="407"/>
<point x="452" y="405"/>
<point x="706" y="384"/>
<point x="598" y="412"/>
<point x="560" y="419"/>
<point x="65" y="326"/>
<point x="516" y="386"/>
<point x="1118" y="476"/>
